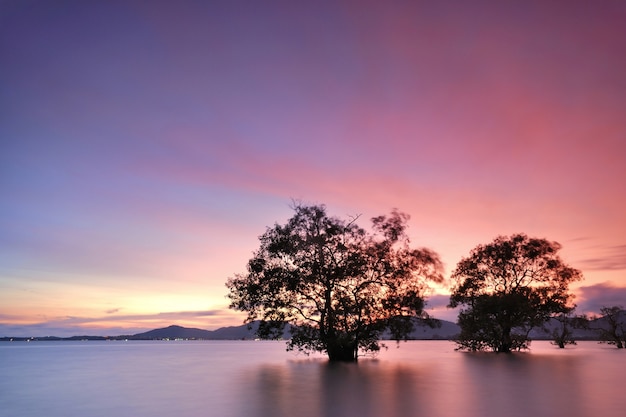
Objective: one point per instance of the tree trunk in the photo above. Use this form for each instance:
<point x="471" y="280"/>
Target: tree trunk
<point x="562" y="337"/>
<point x="506" y="343"/>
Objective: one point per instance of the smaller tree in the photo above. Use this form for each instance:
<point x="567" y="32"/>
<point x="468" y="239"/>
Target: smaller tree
<point x="563" y="333"/>
<point x="508" y="287"/>
<point x="614" y="330"/>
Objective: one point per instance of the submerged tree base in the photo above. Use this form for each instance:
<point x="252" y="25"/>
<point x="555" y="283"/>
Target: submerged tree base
<point x="475" y="343"/>
<point x="342" y="353"/>
<point x="342" y="357"/>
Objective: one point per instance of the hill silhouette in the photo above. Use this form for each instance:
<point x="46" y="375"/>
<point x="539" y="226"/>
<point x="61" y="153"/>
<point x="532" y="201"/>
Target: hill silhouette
<point x="179" y="332"/>
<point x="173" y="332"/>
<point x="447" y="331"/>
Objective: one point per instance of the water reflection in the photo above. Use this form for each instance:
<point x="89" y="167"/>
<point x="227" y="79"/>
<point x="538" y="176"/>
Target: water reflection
<point x="367" y="390"/>
<point x="524" y="385"/>
<point x="258" y="379"/>
<point x="317" y="388"/>
<point x="468" y="385"/>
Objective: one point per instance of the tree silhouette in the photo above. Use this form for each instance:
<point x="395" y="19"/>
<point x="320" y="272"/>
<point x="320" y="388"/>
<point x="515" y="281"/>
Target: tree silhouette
<point x="506" y="288"/>
<point x="563" y="333"/>
<point x="615" y="331"/>
<point x="338" y="285"/>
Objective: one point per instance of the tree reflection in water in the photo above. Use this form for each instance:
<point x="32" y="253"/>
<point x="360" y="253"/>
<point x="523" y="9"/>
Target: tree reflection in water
<point x="462" y="384"/>
<point x="319" y="388"/>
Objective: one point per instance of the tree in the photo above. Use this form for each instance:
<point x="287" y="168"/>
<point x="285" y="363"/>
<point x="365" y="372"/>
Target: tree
<point x="614" y="333"/>
<point x="506" y="288"/>
<point x="563" y="333"/>
<point x="338" y="285"/>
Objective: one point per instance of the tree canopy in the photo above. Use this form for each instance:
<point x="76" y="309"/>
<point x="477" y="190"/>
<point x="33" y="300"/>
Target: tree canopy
<point x="506" y="288"/>
<point x="339" y="286"/>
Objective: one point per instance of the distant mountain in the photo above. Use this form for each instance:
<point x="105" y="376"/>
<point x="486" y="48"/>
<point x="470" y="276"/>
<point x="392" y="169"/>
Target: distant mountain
<point x="422" y="332"/>
<point x="446" y="331"/>
<point x="173" y="332"/>
<point x="242" y="332"/>
<point x="592" y="332"/>
<point x="238" y="332"/>
<point x="545" y="332"/>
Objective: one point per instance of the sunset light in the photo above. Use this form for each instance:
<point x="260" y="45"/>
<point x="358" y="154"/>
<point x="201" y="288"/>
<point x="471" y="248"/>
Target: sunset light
<point x="147" y="145"/>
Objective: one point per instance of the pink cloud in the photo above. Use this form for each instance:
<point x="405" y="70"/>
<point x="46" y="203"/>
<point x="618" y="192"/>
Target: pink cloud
<point x="606" y="258"/>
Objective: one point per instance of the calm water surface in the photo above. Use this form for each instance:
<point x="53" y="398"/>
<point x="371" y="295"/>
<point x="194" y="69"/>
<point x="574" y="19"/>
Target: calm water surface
<point x="238" y="378"/>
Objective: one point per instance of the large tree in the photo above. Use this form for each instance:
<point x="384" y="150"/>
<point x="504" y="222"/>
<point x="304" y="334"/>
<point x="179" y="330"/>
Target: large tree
<point x="338" y="285"/>
<point x="507" y="287"/>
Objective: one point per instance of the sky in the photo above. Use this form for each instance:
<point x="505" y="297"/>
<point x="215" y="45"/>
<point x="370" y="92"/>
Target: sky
<point x="146" y="145"/>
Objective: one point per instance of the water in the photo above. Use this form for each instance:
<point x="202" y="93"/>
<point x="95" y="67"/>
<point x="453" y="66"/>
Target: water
<point x="260" y="379"/>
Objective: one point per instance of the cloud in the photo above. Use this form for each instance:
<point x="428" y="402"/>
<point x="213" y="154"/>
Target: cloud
<point x="438" y="301"/>
<point x="613" y="258"/>
<point x="592" y="298"/>
<point x="170" y="315"/>
<point x="437" y="307"/>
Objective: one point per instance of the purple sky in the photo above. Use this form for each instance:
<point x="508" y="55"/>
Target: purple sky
<point x="146" y="145"/>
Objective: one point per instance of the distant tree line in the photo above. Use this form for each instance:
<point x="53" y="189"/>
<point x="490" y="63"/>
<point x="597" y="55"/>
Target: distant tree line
<point x="341" y="286"/>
